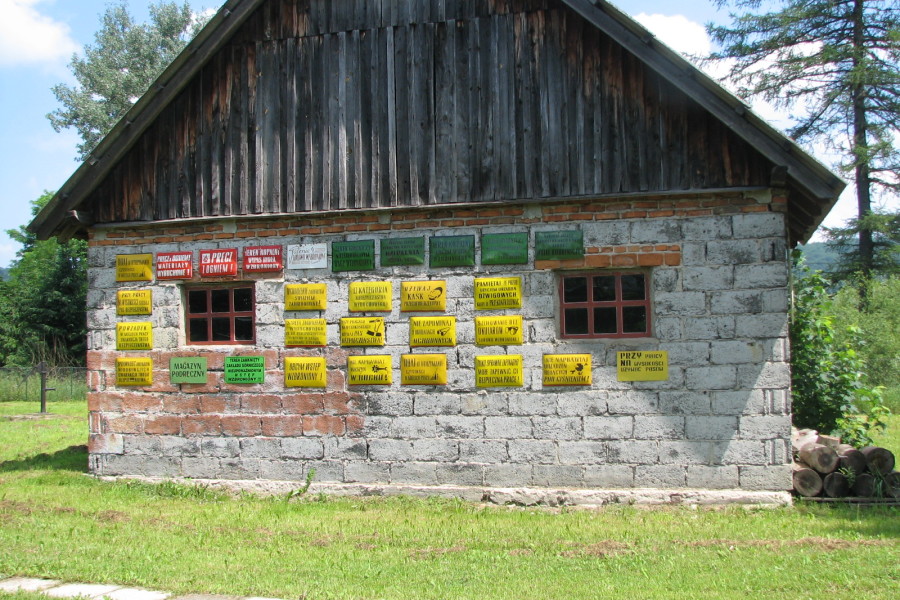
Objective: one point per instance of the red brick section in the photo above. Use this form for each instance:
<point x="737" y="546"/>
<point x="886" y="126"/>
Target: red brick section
<point x="621" y="257"/>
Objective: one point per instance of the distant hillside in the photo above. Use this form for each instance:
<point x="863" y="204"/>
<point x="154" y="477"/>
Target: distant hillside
<point x="4" y="274"/>
<point x="819" y="256"/>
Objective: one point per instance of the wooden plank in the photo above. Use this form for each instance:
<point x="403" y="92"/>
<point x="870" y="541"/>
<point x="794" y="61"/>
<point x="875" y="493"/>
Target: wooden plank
<point x="402" y="66"/>
<point x="290" y="101"/>
<point x="504" y="107"/>
<point x="340" y="119"/>
<point x="445" y="150"/>
<point x="463" y="111"/>
<point x="363" y="146"/>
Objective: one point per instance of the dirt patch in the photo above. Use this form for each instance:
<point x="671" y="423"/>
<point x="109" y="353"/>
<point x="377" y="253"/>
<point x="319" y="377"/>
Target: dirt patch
<point x="601" y="549"/>
<point x="423" y="553"/>
<point x="829" y="544"/>
<point x="113" y="516"/>
<point x="34" y="417"/>
<point x="16" y="507"/>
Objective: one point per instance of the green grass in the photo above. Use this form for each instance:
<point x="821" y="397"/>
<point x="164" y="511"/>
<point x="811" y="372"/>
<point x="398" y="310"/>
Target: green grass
<point x="56" y="522"/>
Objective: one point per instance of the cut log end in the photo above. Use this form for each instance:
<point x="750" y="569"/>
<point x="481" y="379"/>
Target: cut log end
<point x="807" y="482"/>
<point x="820" y="457"/>
<point x="879" y="460"/>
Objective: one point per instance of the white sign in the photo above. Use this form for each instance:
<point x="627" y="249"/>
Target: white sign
<point x="307" y="256"/>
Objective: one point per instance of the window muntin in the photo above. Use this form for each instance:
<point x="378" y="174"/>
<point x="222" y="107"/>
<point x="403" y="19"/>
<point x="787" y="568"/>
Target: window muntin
<point x="221" y="315"/>
<point x="607" y="304"/>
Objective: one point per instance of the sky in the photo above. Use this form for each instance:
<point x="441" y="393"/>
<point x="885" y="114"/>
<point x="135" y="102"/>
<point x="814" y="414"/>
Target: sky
<point x="39" y="37"/>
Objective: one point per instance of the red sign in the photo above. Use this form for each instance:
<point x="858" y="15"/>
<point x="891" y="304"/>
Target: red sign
<point x="218" y="263"/>
<point x="262" y="259"/>
<point x="174" y="265"/>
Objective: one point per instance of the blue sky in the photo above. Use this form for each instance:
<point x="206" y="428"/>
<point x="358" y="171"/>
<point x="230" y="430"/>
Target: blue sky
<point x="38" y="38"/>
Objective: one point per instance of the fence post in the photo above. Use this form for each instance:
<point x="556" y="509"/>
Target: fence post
<point x="42" y="369"/>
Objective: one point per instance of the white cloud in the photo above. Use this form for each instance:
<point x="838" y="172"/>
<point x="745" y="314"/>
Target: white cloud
<point x="28" y="37"/>
<point x="678" y="32"/>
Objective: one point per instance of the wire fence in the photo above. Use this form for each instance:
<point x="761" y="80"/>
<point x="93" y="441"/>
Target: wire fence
<point x="23" y="384"/>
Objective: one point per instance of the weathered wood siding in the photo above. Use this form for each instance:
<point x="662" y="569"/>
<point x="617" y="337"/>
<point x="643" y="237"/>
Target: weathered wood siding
<point x="331" y="105"/>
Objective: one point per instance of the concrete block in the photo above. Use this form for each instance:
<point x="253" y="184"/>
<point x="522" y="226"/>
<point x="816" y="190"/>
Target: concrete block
<point x="740" y="302"/>
<point x="344" y="448"/>
<point x="389" y="450"/>
<point x="687" y="353"/>
<point x="326" y="470"/>
<point x="710" y="428"/>
<point x="658" y="427"/>
<point x="507" y="475"/>
<point x="367" y="472"/>
<point x="581" y="404"/>
<point x="608" y="476"/>
<point x="667" y="329"/>
<point x="757" y="225"/>
<point x="557" y="428"/>
<point x="487" y="403"/>
<point x="708" y="278"/>
<point x="607" y="233"/>
<point x="558" y="475"/>
<point x="683" y="452"/>
<point x="765" y="427"/>
<point x="707" y="228"/>
<point x="693" y="253"/>
<point x="633" y="452"/>
<point x="721" y="377"/>
<point x="746" y="452"/>
<point x="533" y="451"/>
<point x="303" y="448"/>
<point x="220" y="447"/>
<point x="712" y="477"/>
<point x="582" y="453"/>
<point x="656" y="231"/>
<point x="459" y="474"/>
<point x="106" y="443"/>
<point x="736" y="352"/>
<point x="261" y="448"/>
<point x="390" y="403"/>
<point x="201" y="468"/>
<point x="768" y="275"/>
<point x="747" y="402"/>
<point x="527" y="404"/>
<point x="709" y="328"/>
<point x="507" y="427"/>
<point x="685" y="403"/>
<point x="761" y="326"/>
<point x="436" y="404"/>
<point x="773" y="477"/>
<point x="665" y="280"/>
<point x="733" y="252"/>
<point x="435" y="450"/>
<point x="414" y="472"/>
<point x="460" y="427"/>
<point x="608" y="428"/>
<point x="632" y="402"/>
<point x="681" y="304"/>
<point x="414" y="427"/>
<point x="660" y="476"/>
<point x="483" y="451"/>
<point x="769" y="375"/>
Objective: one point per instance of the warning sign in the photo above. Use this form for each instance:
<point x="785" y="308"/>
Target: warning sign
<point x="371" y="296"/>
<point x="369" y="370"/>
<point x="305" y="332"/>
<point x="187" y="369"/>
<point x="362" y="331"/>
<point x="432" y="331"/>
<point x="305" y="296"/>
<point x="218" y="263"/>
<point x="245" y="369"/>
<point x="134" y="336"/>
<point x="134" y="302"/>
<point x="262" y="259"/>
<point x="307" y="256"/>
<point x="134" y="371"/>
<point x="567" y="369"/>
<point x="498" y="331"/>
<point x="498" y="371"/>
<point x="642" y="366"/>
<point x="423" y="296"/>
<point x="134" y="267"/>
<point x="174" y="265"/>
<point x="423" y="369"/>
<point x="498" y="292"/>
<point x="305" y="371"/>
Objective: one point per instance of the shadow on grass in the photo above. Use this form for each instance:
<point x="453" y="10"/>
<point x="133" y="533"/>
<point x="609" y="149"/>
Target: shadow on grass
<point x="73" y="458"/>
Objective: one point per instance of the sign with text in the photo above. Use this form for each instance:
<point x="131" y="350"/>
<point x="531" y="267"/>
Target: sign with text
<point x="174" y="265"/>
<point x="305" y="371"/>
<point x="134" y="267"/>
<point x="432" y="331"/>
<point x="134" y="371"/>
<point x="558" y="245"/>
<point x="262" y="259"/>
<point x="187" y="369"/>
<point x="371" y="296"/>
<point x="305" y="332"/>
<point x="353" y="256"/>
<point x="423" y="296"/>
<point x="245" y="369"/>
<point x="134" y="302"/>
<point x="452" y="251"/>
<point x="305" y="296"/>
<point x="498" y="371"/>
<point x="423" y="369"/>
<point x="567" y="369"/>
<point x="218" y="263"/>
<point x="134" y="336"/>
<point x="307" y="256"/>
<point x="362" y="331"/>
<point x="504" y="249"/>
<point x="642" y="366"/>
<point x="498" y="331"/>
<point x="397" y="252"/>
<point x="369" y="370"/>
<point x="494" y="293"/>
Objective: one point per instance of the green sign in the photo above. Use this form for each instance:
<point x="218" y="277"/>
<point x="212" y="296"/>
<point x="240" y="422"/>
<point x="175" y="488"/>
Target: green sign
<point x="353" y="256"/>
<point x="453" y="251"/>
<point x="397" y="252"/>
<point x="187" y="369"/>
<point x="504" y="249"/>
<point x="245" y="369"/>
<point x="558" y="245"/>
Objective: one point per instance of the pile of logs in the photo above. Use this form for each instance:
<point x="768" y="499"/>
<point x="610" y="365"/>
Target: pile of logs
<point x="823" y="466"/>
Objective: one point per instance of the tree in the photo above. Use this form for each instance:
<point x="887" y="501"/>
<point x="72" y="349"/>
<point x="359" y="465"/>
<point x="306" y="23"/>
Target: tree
<point x="838" y="62"/>
<point x="885" y="229"/>
<point x="113" y="73"/>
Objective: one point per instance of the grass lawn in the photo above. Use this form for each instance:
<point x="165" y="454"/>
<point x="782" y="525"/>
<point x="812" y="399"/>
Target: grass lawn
<point x="56" y="522"/>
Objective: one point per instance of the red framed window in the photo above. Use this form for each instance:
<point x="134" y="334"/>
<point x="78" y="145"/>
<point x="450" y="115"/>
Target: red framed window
<point x="221" y="315"/>
<point x="604" y="305"/>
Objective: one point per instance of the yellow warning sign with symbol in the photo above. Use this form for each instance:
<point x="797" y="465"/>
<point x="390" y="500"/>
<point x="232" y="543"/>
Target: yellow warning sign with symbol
<point x="369" y="370"/>
<point x="423" y="369"/>
<point x="305" y="371"/>
<point x="362" y="331"/>
<point x="498" y="371"/>
<point x="492" y="293"/>
<point x="423" y="296"/>
<point x="498" y="331"/>
<point x="371" y="296"/>
<point x="567" y="369"/>
<point x="432" y="331"/>
<point x="642" y="366"/>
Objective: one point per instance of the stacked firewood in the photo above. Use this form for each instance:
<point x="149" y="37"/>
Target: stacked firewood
<point x="823" y="466"/>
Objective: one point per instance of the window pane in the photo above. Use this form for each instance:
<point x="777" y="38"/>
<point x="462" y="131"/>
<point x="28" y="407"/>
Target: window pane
<point x="221" y="329"/>
<point x="634" y="319"/>
<point x="575" y="290"/>
<point x="633" y="287"/>
<point x="576" y="321"/>
<point x="243" y="300"/>
<point x="221" y="301"/>
<point x="605" y="320"/>
<point x="198" y="331"/>
<point x="604" y="289"/>
<point x="197" y="301"/>
<point x="243" y="329"/>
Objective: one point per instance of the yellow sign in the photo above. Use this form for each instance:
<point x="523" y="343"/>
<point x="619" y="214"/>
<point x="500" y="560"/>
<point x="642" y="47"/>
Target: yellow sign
<point x="305" y="296"/>
<point x="642" y="366"/>
<point x="498" y="331"/>
<point x="305" y="332"/>
<point x="493" y="293"/>
<point x="432" y="331"/>
<point x="134" y="267"/>
<point x="134" y="336"/>
<point x="305" y="371"/>
<point x="362" y="331"/>
<point x="134" y="302"/>
<point x="498" y="371"/>
<point x="567" y="369"/>
<point x="369" y="370"/>
<point x="423" y="296"/>
<point x="423" y="369"/>
<point x="134" y="371"/>
<point x="371" y="296"/>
